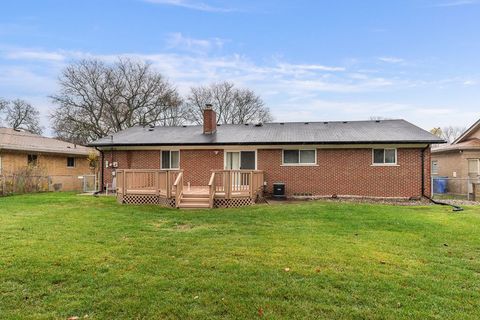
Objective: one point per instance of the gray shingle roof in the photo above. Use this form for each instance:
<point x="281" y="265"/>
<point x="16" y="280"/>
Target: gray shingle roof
<point x="337" y="132"/>
<point x="25" y="141"/>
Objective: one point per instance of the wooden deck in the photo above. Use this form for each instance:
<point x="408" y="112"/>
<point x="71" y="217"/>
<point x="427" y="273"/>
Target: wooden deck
<point x="226" y="188"/>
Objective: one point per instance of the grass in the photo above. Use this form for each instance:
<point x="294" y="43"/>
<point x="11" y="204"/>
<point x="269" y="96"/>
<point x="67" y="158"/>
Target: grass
<point x="63" y="255"/>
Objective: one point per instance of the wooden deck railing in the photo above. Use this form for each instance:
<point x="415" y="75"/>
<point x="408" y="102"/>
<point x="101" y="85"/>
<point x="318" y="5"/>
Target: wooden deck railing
<point x="237" y="183"/>
<point x="178" y="185"/>
<point x="146" y="181"/>
<point x="211" y="189"/>
<point x="227" y="184"/>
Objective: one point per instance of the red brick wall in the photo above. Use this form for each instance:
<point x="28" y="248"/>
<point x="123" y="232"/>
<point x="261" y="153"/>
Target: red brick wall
<point x="196" y="165"/>
<point x="132" y="159"/>
<point x="346" y="172"/>
<point x="339" y="171"/>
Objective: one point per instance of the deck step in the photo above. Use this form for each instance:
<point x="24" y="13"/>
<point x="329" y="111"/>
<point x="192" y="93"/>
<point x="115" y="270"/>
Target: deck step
<point x="194" y="205"/>
<point x="194" y="200"/>
<point x="195" y="195"/>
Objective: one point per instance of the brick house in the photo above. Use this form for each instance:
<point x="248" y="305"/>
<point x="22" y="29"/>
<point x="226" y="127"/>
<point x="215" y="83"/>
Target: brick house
<point x="384" y="158"/>
<point x="460" y="161"/>
<point x="61" y="161"/>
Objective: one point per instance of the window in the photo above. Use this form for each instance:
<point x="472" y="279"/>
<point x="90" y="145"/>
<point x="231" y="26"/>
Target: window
<point x="32" y="160"/>
<point x="170" y="159"/>
<point x="240" y="160"/>
<point x="384" y="156"/>
<point x="473" y="167"/>
<point x="299" y="157"/>
<point x="434" y="166"/>
<point x="70" y="162"/>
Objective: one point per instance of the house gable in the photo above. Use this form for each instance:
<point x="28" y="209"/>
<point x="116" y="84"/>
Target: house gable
<point x="471" y="133"/>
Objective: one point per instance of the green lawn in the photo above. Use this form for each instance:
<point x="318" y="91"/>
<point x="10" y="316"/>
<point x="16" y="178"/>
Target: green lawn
<point x="64" y="255"/>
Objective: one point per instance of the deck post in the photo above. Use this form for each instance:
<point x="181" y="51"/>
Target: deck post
<point x="251" y="184"/>
<point x="169" y="193"/>
<point x="228" y="184"/>
<point x="124" y="185"/>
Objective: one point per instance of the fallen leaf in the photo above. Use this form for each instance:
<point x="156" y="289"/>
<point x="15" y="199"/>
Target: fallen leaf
<point x="287" y="269"/>
<point x="317" y="270"/>
<point x="383" y="262"/>
<point x="196" y="297"/>
<point x="73" y="318"/>
<point x="260" y="312"/>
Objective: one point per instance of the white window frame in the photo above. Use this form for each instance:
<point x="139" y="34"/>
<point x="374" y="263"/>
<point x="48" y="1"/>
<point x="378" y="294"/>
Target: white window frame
<point x="74" y="163"/>
<point x="170" y="151"/>
<point x="299" y="164"/>
<point x="395" y="164"/>
<point x="239" y="158"/>
<point x="436" y="167"/>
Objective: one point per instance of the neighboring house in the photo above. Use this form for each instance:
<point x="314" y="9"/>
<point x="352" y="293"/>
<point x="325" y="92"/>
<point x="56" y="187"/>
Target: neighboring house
<point x="63" y="162"/>
<point x="383" y="158"/>
<point x="459" y="160"/>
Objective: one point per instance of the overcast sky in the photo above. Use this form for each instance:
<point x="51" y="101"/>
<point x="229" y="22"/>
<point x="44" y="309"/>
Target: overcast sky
<point x="309" y="60"/>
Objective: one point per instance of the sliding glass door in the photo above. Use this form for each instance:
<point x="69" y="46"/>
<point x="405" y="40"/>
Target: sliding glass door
<point x="240" y="160"/>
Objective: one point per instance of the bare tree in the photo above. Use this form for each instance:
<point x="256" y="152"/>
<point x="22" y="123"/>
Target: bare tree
<point x="19" y="114"/>
<point x="97" y="99"/>
<point x="3" y="105"/>
<point x="449" y="134"/>
<point x="232" y="105"/>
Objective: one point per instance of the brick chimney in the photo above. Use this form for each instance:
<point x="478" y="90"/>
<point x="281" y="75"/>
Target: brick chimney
<point x="209" y="120"/>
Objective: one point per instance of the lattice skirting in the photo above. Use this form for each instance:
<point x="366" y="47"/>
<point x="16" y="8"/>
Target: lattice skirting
<point x="166" y="202"/>
<point x="232" y="203"/>
<point x="146" y="199"/>
<point x="138" y="199"/>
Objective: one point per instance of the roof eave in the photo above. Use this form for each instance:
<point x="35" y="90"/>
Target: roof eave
<point x="473" y="127"/>
<point x="106" y="145"/>
<point x="49" y="151"/>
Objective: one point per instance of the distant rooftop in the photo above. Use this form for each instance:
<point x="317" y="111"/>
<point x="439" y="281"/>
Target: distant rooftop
<point x="19" y="140"/>
<point x="472" y="144"/>
<point x="468" y="140"/>
<point x="328" y="132"/>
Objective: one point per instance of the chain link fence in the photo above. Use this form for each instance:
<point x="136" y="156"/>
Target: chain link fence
<point x="17" y="184"/>
<point x="456" y="188"/>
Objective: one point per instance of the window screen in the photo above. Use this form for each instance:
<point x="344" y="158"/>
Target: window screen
<point x="378" y="155"/>
<point x="70" y="162"/>
<point x="307" y="156"/>
<point x="165" y="159"/>
<point x="174" y="159"/>
<point x="384" y="156"/>
<point x="290" y="156"/>
<point x="170" y="159"/>
<point x="390" y="156"/>
<point x="299" y="156"/>
<point x="32" y="159"/>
